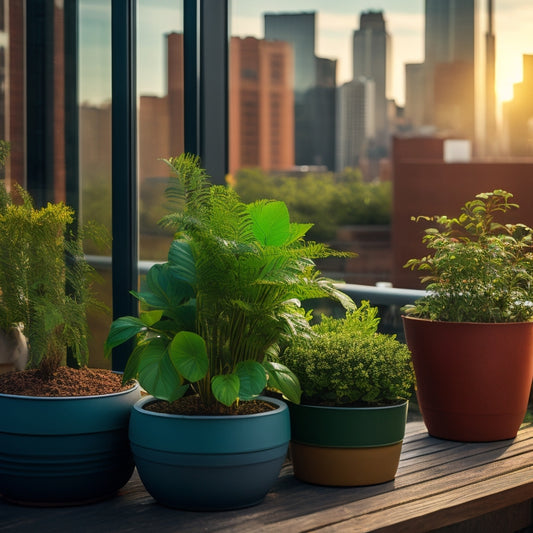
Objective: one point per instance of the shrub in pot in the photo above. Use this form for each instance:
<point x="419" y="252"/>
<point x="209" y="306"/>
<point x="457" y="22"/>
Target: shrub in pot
<point x="349" y="427"/>
<point x="54" y="448"/>
<point x="212" y="317"/>
<point x="471" y="336"/>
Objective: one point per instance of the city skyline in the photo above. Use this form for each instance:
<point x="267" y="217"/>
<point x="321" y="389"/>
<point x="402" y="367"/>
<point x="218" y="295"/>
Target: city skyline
<point x="336" y="22"/>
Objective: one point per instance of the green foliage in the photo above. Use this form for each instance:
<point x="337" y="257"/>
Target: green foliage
<point x="347" y="361"/>
<point x="227" y="297"/>
<point x="330" y="200"/>
<point x="479" y="269"/>
<point x="44" y="279"/>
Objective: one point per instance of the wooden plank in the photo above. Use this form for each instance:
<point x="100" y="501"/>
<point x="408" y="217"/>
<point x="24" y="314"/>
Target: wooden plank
<point x="434" y="484"/>
<point x="446" y="508"/>
<point x="407" y="490"/>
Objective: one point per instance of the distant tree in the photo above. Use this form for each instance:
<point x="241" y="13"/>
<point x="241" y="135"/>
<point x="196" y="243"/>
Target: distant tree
<point x="326" y="199"/>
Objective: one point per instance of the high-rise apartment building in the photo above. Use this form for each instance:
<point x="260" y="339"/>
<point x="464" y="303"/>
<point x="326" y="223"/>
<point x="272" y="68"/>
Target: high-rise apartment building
<point x="371" y="60"/>
<point x="314" y="87"/>
<point x="491" y="133"/>
<point x="450" y="63"/>
<point x="414" y="94"/>
<point x="298" y="29"/>
<point x="356" y="121"/>
<point x="518" y="114"/>
<point x="261" y="119"/>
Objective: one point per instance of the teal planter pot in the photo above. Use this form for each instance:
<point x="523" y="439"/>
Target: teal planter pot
<point x="347" y="446"/>
<point x="64" y="451"/>
<point x="209" y="462"/>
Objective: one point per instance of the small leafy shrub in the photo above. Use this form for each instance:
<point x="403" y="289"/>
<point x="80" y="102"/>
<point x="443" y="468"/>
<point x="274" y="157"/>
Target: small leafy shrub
<point x="347" y="362"/>
<point x="478" y="269"/>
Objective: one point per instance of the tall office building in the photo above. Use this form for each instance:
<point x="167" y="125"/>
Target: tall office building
<point x="518" y="114"/>
<point x="261" y="120"/>
<point x="414" y="94"/>
<point x="491" y="133"/>
<point x="356" y="121"/>
<point x="371" y="60"/>
<point x="450" y="62"/>
<point x="314" y="87"/>
<point x="298" y="29"/>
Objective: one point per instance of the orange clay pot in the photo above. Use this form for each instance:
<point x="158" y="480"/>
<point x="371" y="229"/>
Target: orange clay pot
<point x="473" y="379"/>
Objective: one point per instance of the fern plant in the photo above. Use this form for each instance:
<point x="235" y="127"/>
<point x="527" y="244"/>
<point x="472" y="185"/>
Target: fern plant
<point x="228" y="296"/>
<point x="44" y="279"/>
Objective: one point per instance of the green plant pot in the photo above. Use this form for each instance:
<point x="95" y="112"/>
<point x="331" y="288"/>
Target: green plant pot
<point x="209" y="462"/>
<point x="346" y="446"/>
<point x="64" y="451"/>
<point x="473" y="379"/>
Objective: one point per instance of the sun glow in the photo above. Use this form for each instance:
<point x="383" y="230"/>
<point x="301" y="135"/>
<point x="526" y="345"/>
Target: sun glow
<point x="508" y="72"/>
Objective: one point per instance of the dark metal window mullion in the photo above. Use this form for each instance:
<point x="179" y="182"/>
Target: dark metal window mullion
<point x="125" y="255"/>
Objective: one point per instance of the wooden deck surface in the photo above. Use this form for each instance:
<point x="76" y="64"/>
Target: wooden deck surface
<point x="440" y="484"/>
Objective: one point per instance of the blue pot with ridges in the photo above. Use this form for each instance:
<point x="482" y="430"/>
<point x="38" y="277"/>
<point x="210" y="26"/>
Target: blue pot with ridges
<point x="209" y="462"/>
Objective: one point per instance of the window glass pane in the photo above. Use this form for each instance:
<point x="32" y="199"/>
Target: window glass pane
<point x="94" y="96"/>
<point x="310" y="123"/>
<point x="160" y="119"/>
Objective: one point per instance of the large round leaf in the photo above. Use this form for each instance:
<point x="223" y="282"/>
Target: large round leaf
<point x="122" y="329"/>
<point x="189" y="355"/>
<point x="252" y="377"/>
<point x="225" y="388"/>
<point x="271" y="225"/>
<point x="283" y="380"/>
<point x="157" y="374"/>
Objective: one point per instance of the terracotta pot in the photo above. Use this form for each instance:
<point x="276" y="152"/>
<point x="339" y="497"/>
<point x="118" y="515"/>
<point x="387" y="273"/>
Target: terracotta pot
<point x="473" y="379"/>
<point x="346" y="446"/>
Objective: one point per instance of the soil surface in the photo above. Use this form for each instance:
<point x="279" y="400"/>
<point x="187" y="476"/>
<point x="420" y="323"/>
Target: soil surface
<point x="65" y="382"/>
<point x="191" y="405"/>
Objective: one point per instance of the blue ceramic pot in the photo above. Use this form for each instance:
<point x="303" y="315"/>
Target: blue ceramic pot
<point x="209" y="462"/>
<point x="64" y="451"/>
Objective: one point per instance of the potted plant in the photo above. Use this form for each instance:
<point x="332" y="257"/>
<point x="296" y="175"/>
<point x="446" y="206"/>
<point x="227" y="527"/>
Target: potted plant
<point x="63" y="431"/>
<point x="471" y="336"/>
<point x="212" y="317"/>
<point x="349" y="427"/>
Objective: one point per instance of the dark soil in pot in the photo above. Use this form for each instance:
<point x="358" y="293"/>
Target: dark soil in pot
<point x="65" y="382"/>
<point x="192" y="406"/>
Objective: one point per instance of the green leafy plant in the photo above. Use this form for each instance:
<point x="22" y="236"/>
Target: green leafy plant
<point x="45" y="282"/>
<point x="228" y="296"/>
<point x="479" y="269"/>
<point x="347" y="362"/>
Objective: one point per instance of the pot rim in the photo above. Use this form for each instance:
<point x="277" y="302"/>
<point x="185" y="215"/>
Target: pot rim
<point x="465" y="323"/>
<point x="134" y="387"/>
<point x="400" y="404"/>
<point x="139" y="406"/>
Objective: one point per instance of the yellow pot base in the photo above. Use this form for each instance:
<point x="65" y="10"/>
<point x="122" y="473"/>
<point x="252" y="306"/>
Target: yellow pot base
<point x="347" y="467"/>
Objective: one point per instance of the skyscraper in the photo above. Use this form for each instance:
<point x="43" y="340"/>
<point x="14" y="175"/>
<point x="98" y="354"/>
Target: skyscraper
<point x="298" y="29"/>
<point x="314" y="87"/>
<point x="518" y="114"/>
<point x="414" y="94"/>
<point x="355" y="118"/>
<point x="261" y="119"/>
<point x="491" y="141"/>
<point x="371" y="60"/>
<point x="450" y="63"/>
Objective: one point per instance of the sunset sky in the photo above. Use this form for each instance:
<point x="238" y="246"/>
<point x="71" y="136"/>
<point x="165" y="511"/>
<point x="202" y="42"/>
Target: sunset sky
<point x="337" y="19"/>
<point x="513" y="21"/>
